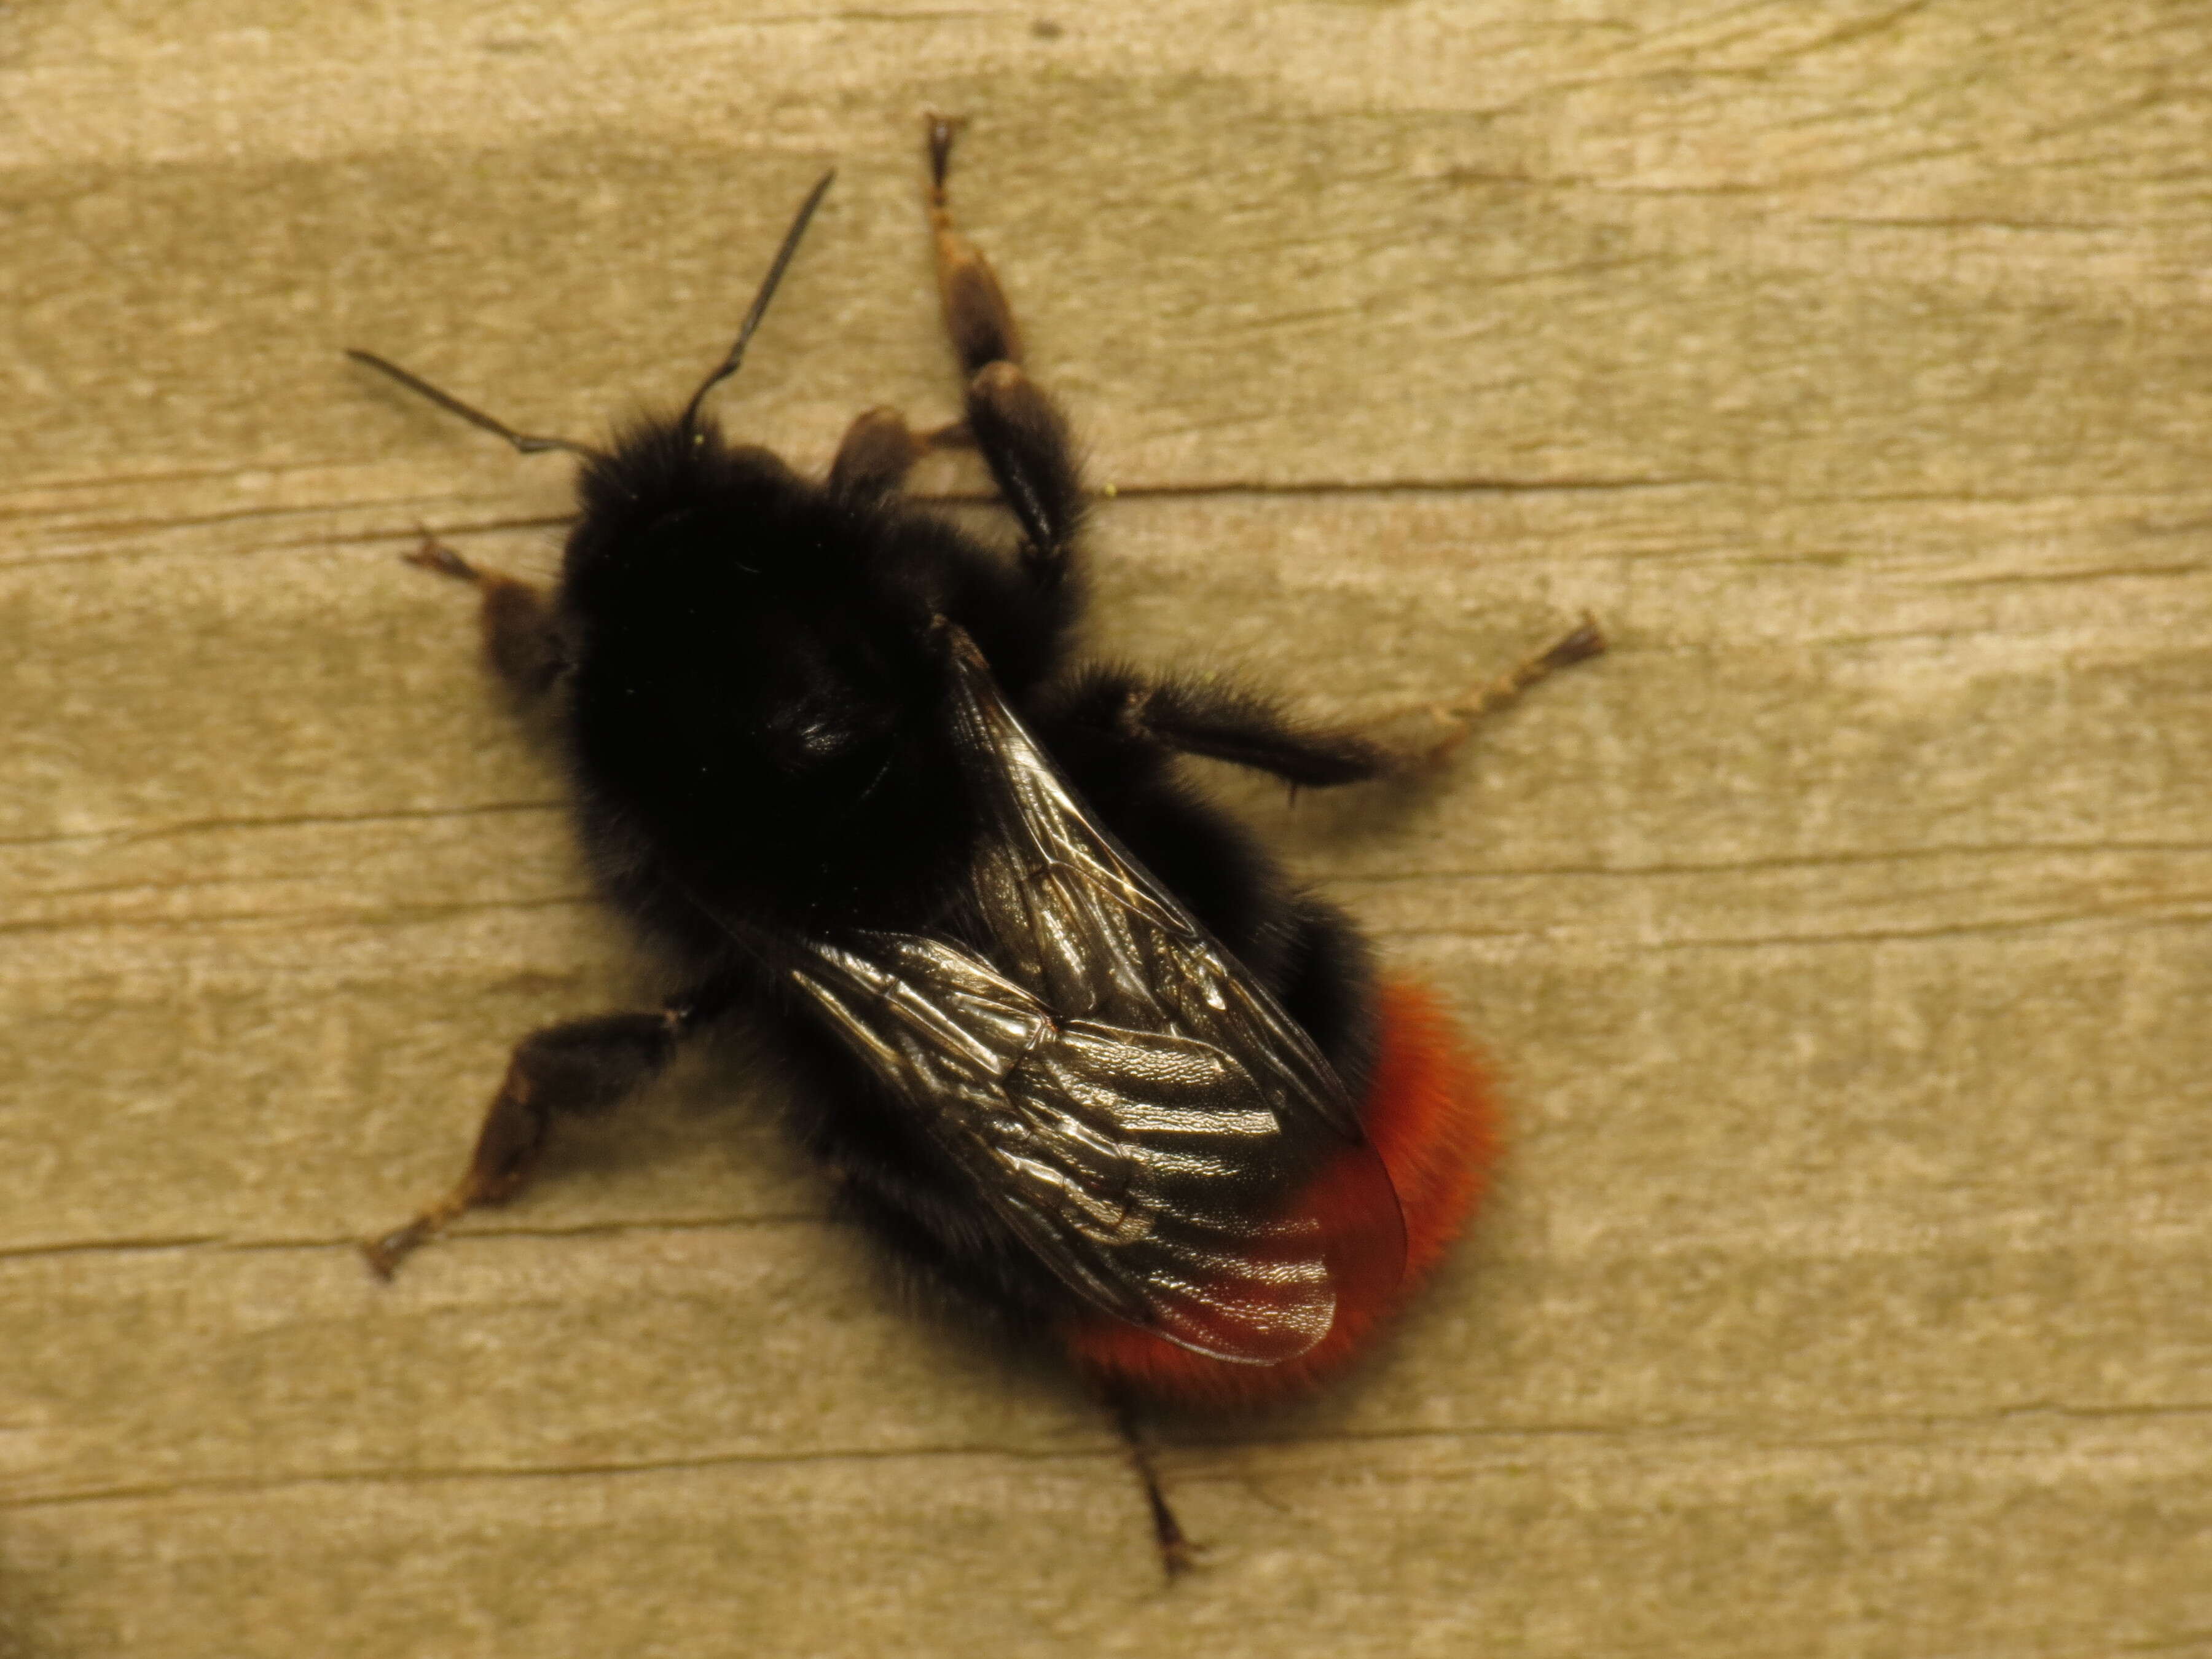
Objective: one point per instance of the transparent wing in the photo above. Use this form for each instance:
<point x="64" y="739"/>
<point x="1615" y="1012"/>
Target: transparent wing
<point x="1131" y="1102"/>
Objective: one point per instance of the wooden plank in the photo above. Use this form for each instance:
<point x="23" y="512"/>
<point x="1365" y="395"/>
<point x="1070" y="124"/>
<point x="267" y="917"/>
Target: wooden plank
<point x="1842" y="934"/>
<point x="1680" y="1542"/>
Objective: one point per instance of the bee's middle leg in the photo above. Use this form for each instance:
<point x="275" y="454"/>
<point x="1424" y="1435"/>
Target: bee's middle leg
<point x="1449" y="719"/>
<point x="576" y="1068"/>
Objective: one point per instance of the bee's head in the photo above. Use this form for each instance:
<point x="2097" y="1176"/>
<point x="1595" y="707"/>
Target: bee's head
<point x="712" y="594"/>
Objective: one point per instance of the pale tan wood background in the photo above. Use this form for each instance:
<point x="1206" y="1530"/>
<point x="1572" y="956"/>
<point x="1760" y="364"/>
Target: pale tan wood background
<point x="1846" y="934"/>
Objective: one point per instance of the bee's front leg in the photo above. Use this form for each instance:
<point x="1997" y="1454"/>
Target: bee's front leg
<point x="1023" y="438"/>
<point x="517" y="629"/>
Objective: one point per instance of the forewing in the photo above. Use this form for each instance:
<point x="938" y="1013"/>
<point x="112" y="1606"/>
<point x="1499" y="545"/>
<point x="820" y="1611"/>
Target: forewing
<point x="1121" y="1090"/>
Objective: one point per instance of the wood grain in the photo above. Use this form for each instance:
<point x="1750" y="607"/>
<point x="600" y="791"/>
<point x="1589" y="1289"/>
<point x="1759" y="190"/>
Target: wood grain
<point x="1846" y="934"/>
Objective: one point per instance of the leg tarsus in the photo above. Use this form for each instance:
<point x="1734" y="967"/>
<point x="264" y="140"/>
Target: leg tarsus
<point x="1178" y="1552"/>
<point x="942" y="130"/>
<point x="1458" y="715"/>
<point x="575" y="1068"/>
<point x="432" y="553"/>
<point x="516" y="621"/>
<point x="976" y="313"/>
<point x="1581" y="642"/>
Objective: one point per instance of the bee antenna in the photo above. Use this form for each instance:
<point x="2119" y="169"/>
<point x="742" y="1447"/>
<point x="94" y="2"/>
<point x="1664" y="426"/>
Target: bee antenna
<point x="524" y="442"/>
<point x="729" y="364"/>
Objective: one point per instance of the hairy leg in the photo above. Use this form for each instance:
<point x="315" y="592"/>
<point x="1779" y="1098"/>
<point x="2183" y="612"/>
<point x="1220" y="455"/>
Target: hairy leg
<point x="1223" y="721"/>
<point x="575" y="1068"/>
<point x="517" y="632"/>
<point x="1022" y="437"/>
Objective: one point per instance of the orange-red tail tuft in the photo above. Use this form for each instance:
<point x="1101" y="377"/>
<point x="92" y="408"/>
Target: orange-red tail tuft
<point x="1430" y="1115"/>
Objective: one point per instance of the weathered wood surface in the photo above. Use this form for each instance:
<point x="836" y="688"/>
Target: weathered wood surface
<point x="1846" y="934"/>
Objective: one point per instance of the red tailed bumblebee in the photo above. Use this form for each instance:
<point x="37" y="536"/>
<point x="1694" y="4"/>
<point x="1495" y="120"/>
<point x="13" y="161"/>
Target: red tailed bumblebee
<point x="1075" y="1050"/>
